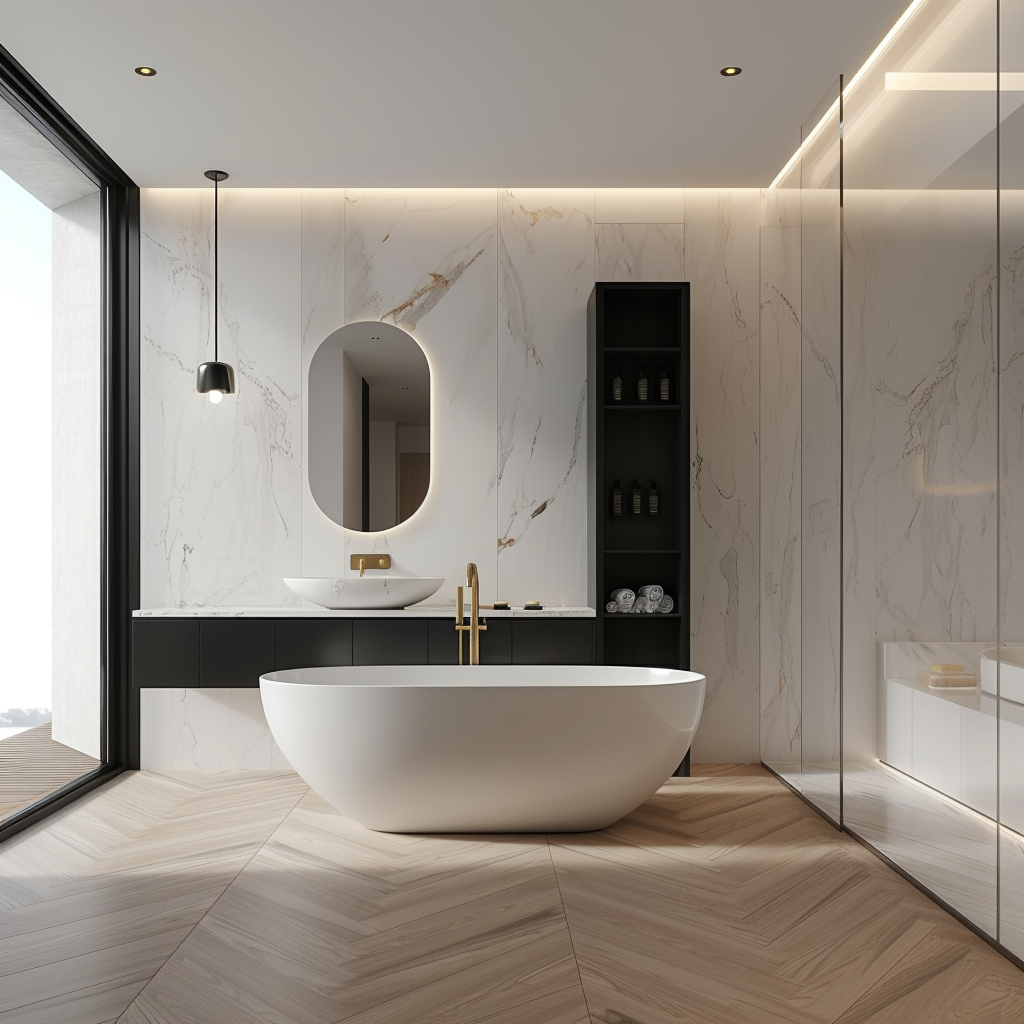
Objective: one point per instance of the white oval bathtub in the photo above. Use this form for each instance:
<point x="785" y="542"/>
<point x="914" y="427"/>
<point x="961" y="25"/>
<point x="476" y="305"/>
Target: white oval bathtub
<point x="488" y="748"/>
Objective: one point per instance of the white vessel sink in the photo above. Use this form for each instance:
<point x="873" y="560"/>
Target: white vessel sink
<point x="365" y="591"/>
<point x="1011" y="672"/>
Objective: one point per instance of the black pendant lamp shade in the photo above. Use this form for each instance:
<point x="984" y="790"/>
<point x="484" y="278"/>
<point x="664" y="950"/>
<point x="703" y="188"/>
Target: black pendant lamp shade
<point x="215" y="379"/>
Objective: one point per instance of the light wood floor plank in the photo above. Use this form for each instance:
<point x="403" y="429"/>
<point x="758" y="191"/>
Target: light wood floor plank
<point x="331" y="921"/>
<point x="230" y="898"/>
<point x="94" y="904"/>
<point x="33" y="765"/>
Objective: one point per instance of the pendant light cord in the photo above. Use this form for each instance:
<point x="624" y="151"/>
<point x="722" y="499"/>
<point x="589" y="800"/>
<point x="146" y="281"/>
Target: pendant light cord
<point x="216" y="249"/>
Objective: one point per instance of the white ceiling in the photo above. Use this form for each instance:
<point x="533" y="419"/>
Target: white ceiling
<point x="323" y="93"/>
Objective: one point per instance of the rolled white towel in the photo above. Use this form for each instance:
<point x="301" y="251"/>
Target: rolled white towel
<point x="667" y="604"/>
<point x="653" y="593"/>
<point x="641" y="605"/>
<point x="624" y="598"/>
<point x="611" y="607"/>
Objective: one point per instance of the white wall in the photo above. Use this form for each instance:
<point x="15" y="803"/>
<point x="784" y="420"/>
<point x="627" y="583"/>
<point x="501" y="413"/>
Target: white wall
<point x="493" y="284"/>
<point x="77" y="536"/>
<point x="352" y="442"/>
<point x="383" y="473"/>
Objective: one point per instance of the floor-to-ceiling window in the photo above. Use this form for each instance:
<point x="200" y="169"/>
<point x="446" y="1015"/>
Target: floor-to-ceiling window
<point x="50" y="691"/>
<point x="66" y="226"/>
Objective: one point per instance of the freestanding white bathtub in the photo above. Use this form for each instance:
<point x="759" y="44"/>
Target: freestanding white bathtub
<point x="487" y="748"/>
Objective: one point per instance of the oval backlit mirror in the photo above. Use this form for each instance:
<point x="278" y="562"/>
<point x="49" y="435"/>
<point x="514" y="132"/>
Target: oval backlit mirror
<point x="369" y="426"/>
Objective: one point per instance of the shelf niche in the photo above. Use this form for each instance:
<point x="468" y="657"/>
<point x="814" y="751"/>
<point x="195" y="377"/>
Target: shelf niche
<point x="633" y="327"/>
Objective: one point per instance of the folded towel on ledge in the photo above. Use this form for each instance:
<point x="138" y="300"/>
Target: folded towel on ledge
<point x="653" y="593"/>
<point x="624" y="598"/>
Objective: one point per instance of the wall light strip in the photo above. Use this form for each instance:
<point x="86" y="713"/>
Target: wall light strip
<point x="953" y="81"/>
<point x="864" y="69"/>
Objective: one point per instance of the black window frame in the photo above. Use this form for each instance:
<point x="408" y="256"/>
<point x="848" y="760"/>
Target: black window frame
<point x="119" y="245"/>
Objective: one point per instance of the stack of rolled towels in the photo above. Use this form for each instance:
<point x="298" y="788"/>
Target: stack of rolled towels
<point x="650" y="598"/>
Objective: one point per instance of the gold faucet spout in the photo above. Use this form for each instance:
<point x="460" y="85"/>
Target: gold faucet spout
<point x="475" y="627"/>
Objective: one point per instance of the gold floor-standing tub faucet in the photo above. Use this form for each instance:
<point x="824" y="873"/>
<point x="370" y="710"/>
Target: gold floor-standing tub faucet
<point x="475" y="628"/>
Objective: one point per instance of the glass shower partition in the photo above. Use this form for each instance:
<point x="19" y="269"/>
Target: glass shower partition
<point x="801" y="322"/>
<point x="1006" y="672"/>
<point x="919" y="460"/>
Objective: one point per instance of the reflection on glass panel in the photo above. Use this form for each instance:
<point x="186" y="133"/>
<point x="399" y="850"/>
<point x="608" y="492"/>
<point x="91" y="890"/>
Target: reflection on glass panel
<point x="800" y="336"/>
<point x="821" y="521"/>
<point x="920" y="452"/>
<point x="1005" y="672"/>
<point x="50" y="693"/>
<point x="779" y="615"/>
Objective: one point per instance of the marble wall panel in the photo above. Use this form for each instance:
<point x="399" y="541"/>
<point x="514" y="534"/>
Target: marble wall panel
<point x="722" y="265"/>
<point x="639" y="206"/>
<point x="426" y="261"/>
<point x="546" y="273"/>
<point x="1011" y="409"/>
<point x="208" y="729"/>
<point x="935" y="416"/>
<point x="219" y="484"/>
<point x="494" y="285"/>
<point x="821" y="510"/>
<point x="780" y="509"/>
<point x="323" y="312"/>
<point x="639" y="252"/>
<point x="862" y="723"/>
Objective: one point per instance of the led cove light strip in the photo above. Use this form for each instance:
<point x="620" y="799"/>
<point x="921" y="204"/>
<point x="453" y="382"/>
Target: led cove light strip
<point x="953" y="81"/>
<point x="864" y="69"/>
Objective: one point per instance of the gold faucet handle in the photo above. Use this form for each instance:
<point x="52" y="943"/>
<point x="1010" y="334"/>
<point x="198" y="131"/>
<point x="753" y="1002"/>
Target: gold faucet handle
<point x="364" y="562"/>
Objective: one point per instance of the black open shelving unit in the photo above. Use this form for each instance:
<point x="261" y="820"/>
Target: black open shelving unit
<point x="634" y="327"/>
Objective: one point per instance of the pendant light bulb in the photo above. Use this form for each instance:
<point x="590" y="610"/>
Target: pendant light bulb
<point x="215" y="378"/>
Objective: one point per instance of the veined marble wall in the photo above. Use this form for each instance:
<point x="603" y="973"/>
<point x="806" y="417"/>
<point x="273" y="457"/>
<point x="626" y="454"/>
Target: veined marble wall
<point x="493" y="283"/>
<point x="781" y="510"/>
<point x="919" y="394"/>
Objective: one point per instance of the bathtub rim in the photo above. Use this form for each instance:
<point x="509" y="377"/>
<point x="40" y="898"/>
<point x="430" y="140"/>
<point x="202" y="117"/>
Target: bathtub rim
<point x="459" y="676"/>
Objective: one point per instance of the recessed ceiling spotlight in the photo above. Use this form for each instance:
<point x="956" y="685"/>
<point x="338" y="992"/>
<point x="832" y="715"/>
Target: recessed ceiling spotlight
<point x="730" y="72"/>
<point x="150" y="72"/>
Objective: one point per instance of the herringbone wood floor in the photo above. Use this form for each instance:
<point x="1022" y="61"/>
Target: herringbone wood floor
<point x="33" y="764"/>
<point x="192" y="898"/>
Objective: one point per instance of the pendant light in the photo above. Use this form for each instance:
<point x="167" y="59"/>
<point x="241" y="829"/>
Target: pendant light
<point x="215" y="379"/>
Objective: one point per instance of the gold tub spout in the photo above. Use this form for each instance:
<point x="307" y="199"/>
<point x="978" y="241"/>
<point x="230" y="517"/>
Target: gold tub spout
<point x="475" y="628"/>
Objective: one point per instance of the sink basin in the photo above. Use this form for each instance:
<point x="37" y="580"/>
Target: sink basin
<point x="1011" y="672"/>
<point x="365" y="591"/>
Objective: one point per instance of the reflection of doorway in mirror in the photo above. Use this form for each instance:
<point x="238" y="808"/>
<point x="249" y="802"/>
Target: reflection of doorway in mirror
<point x="413" y="481"/>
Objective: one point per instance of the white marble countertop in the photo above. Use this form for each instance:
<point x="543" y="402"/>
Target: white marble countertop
<point x="420" y="611"/>
<point x="967" y="697"/>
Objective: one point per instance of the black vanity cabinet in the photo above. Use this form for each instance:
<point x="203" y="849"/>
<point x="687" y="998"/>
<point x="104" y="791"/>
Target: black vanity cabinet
<point x="192" y="652"/>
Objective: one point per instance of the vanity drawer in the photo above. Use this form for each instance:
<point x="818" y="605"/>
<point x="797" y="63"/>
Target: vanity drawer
<point x="390" y="641"/>
<point x="235" y="652"/>
<point x="165" y="653"/>
<point x="553" y="641"/>
<point x="313" y="643"/>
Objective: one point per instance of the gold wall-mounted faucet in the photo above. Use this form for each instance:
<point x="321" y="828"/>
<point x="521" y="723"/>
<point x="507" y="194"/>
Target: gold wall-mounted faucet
<point x="475" y="627"/>
<point x="364" y="562"/>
